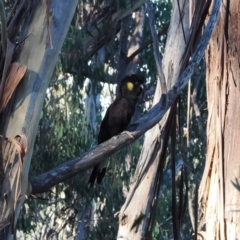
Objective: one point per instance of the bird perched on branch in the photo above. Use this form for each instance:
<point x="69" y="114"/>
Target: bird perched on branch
<point x="117" y="117"/>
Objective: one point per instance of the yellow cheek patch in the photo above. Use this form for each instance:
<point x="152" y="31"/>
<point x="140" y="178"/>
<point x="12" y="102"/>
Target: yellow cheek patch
<point x="130" y="86"/>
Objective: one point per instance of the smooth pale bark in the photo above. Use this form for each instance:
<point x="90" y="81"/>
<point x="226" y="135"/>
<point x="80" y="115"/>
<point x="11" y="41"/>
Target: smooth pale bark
<point x="219" y="199"/>
<point x="40" y="58"/>
<point x="140" y="198"/>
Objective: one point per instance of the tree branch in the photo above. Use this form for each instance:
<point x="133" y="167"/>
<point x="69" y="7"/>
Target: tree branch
<point x="94" y="156"/>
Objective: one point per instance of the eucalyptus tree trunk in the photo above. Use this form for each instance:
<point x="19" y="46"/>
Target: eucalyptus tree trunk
<point x="135" y="213"/>
<point x="46" y="33"/>
<point x="218" y="194"/>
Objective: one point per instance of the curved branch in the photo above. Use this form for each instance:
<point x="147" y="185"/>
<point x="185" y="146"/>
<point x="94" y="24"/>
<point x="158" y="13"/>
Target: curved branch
<point x="94" y="156"/>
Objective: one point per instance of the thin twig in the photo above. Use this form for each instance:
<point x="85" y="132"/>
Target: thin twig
<point x="181" y="20"/>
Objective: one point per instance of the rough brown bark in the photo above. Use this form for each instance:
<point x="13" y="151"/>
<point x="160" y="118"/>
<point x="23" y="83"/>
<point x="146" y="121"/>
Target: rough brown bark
<point x="219" y="199"/>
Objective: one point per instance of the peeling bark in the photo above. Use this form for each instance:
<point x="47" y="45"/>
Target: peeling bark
<point x="219" y="199"/>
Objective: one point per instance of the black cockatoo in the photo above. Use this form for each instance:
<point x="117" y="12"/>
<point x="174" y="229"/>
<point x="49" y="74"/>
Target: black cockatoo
<point x="118" y="117"/>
